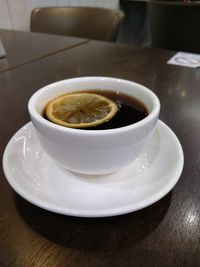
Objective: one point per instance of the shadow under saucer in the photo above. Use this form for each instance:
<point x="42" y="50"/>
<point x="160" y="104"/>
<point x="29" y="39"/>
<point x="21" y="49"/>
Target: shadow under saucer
<point x="94" y="234"/>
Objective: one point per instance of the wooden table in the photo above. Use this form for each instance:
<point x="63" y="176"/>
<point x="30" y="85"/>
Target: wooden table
<point x="25" y="47"/>
<point x="166" y="233"/>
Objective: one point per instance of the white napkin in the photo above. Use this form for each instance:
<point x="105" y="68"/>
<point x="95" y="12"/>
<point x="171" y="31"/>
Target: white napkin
<point x="185" y="59"/>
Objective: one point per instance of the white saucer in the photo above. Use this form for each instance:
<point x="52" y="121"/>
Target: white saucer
<point x="34" y="176"/>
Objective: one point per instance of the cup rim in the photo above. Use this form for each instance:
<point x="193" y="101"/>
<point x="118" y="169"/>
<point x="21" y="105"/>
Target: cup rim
<point x="33" y="113"/>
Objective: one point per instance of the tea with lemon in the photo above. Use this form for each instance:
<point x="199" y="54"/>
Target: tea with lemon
<point x="95" y="110"/>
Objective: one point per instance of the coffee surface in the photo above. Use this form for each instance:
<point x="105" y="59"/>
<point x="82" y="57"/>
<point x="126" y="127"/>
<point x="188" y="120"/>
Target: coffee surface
<point x="130" y="110"/>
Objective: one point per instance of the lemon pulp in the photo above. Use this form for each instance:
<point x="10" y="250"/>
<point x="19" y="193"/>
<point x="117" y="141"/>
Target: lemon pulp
<point x="81" y="110"/>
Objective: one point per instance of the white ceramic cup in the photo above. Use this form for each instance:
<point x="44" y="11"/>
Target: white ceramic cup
<point x="93" y="152"/>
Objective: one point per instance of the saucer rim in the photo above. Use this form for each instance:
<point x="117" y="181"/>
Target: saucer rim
<point x="110" y="212"/>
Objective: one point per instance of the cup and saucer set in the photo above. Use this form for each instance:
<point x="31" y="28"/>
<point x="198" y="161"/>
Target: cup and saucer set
<point x="142" y="163"/>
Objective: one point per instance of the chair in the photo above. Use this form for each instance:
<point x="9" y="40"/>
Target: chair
<point x="175" y="25"/>
<point x="86" y="22"/>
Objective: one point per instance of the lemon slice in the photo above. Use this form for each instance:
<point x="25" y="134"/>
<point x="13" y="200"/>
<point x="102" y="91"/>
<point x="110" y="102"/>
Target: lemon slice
<point x="81" y="110"/>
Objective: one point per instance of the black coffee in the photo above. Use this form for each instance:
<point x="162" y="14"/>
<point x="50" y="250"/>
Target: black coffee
<point x="130" y="110"/>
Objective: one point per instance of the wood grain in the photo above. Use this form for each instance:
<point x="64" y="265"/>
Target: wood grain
<point x="23" y="47"/>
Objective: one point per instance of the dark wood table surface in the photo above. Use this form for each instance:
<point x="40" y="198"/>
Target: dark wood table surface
<point x="25" y="47"/>
<point x="165" y="234"/>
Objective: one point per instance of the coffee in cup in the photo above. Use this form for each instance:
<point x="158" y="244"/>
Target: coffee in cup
<point x="97" y="151"/>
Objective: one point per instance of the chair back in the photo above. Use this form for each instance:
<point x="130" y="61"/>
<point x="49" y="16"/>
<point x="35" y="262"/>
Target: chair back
<point x="174" y="25"/>
<point x="86" y="22"/>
